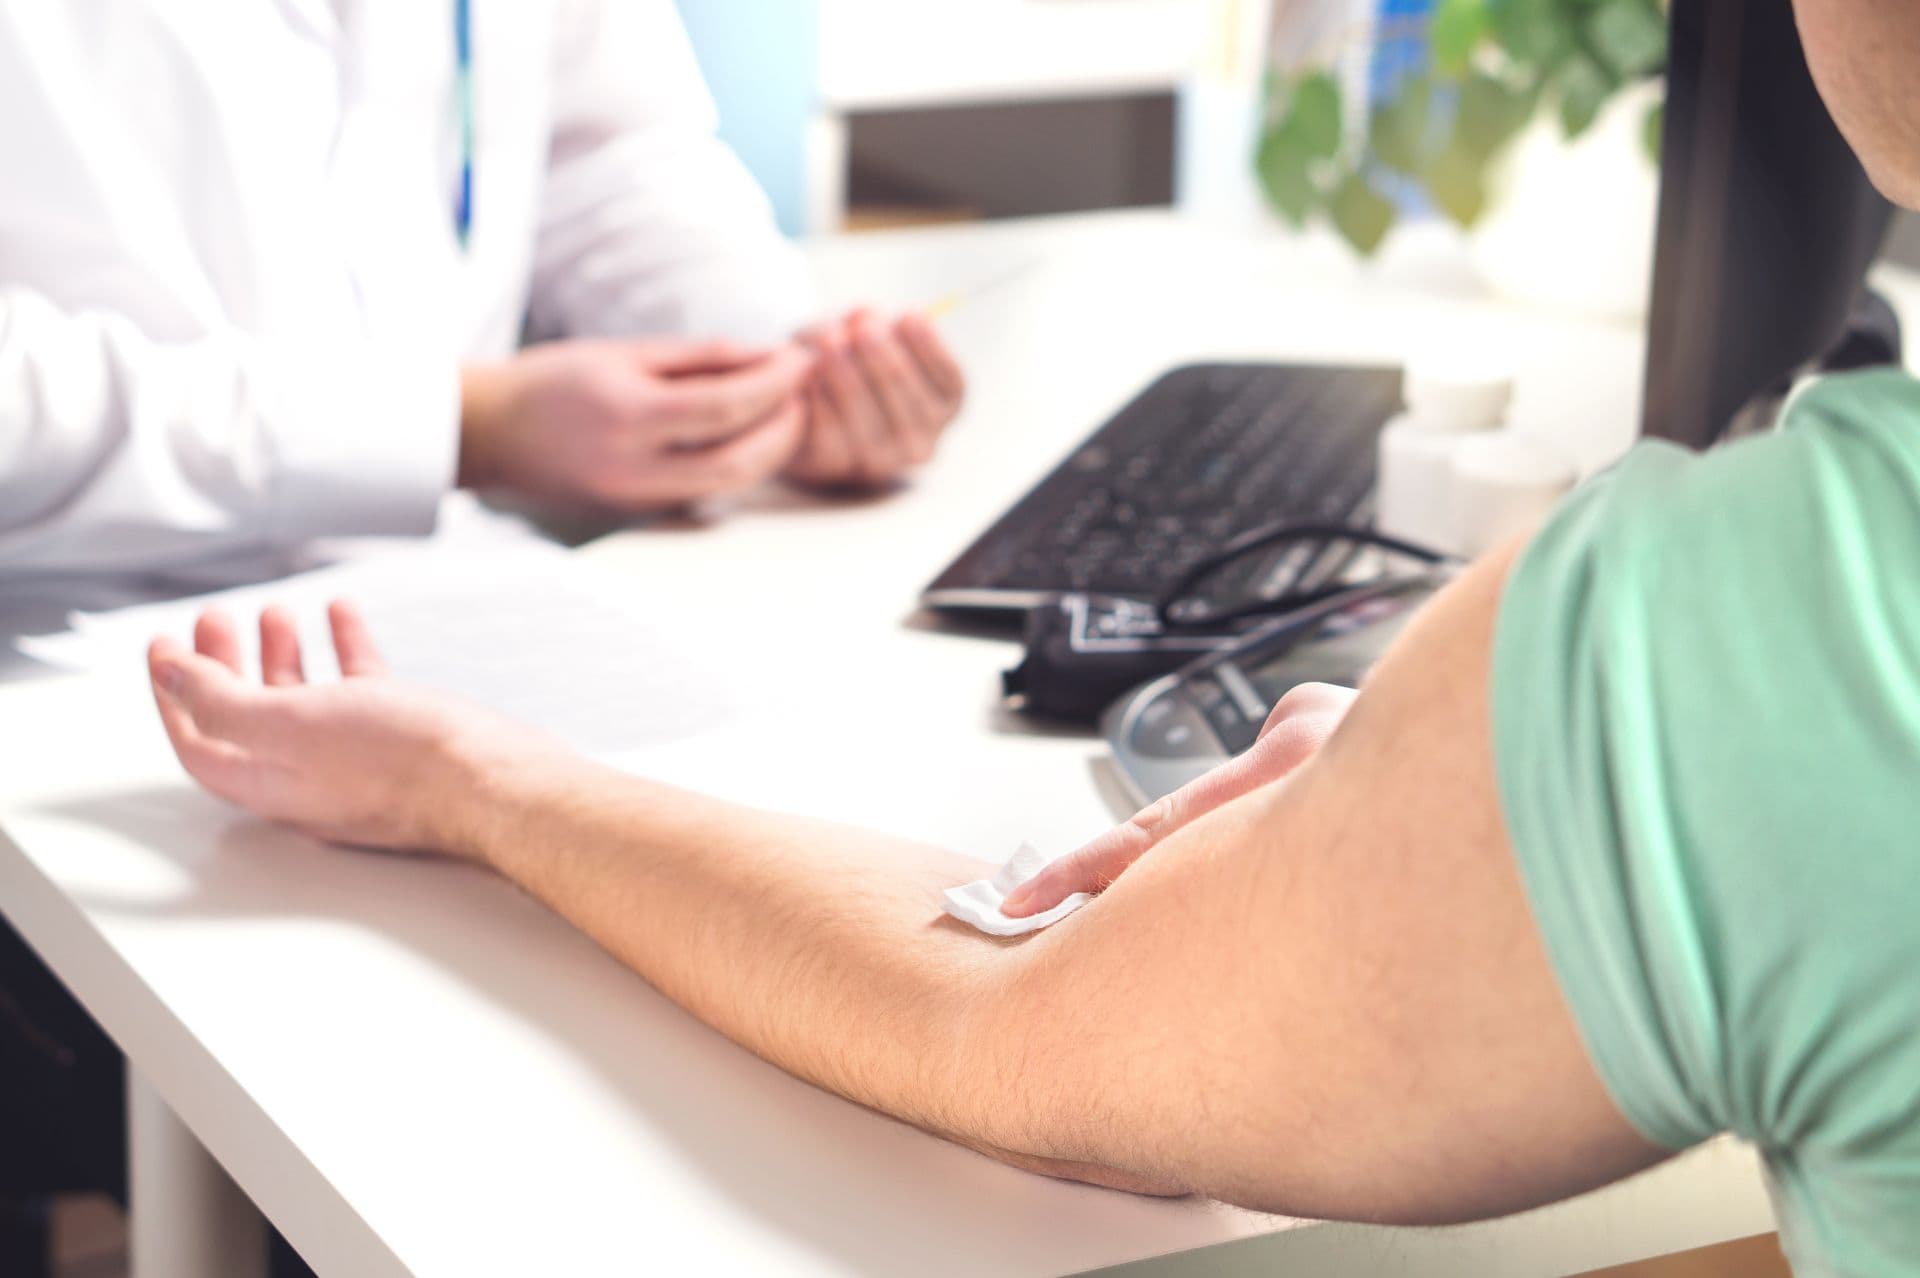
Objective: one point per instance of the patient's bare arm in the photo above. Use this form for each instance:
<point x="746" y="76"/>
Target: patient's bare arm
<point x="1325" y="997"/>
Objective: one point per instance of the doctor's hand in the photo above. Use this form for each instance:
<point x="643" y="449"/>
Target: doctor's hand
<point x="880" y="398"/>
<point x="1303" y="721"/>
<point x="630" y="427"/>
<point x="368" y="760"/>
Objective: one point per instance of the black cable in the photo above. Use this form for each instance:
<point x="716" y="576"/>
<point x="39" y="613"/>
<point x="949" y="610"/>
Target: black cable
<point x="1277" y="534"/>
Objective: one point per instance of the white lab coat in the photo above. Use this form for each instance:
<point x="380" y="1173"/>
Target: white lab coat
<point x="232" y="299"/>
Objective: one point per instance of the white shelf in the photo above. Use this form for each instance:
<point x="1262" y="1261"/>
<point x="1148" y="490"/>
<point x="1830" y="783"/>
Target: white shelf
<point x="879" y="55"/>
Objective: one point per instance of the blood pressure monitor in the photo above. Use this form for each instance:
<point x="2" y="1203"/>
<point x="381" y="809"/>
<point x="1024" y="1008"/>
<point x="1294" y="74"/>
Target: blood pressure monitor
<point x="1172" y="730"/>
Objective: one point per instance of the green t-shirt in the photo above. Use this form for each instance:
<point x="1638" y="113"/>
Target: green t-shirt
<point x="1706" y="709"/>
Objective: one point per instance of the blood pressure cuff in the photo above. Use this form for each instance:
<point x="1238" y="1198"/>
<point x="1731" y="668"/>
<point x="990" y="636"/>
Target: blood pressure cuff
<point x="1706" y="711"/>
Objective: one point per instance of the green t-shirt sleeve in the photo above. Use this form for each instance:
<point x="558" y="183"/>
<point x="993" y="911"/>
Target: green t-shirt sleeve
<point x="1706" y="708"/>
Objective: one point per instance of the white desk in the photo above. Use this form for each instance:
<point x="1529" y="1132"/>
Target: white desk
<point x="414" y="1070"/>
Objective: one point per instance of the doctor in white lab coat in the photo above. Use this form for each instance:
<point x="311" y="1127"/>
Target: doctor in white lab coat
<point x="266" y="268"/>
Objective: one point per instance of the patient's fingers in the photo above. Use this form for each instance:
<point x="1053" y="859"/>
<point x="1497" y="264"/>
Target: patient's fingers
<point x="1298" y="726"/>
<point x="162" y="655"/>
<point x="214" y="636"/>
<point x="220" y="765"/>
<point x="1308" y="700"/>
<point x="280" y="649"/>
<point x="1100" y="862"/>
<point x="223" y="706"/>
<point x="353" y="642"/>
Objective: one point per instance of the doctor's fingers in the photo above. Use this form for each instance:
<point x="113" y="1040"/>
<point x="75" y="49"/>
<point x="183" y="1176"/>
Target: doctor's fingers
<point x="679" y="476"/>
<point x="936" y="362"/>
<point x="912" y="411"/>
<point x="684" y="357"/>
<point x="826" y="456"/>
<point x="876" y="454"/>
<point x="710" y="407"/>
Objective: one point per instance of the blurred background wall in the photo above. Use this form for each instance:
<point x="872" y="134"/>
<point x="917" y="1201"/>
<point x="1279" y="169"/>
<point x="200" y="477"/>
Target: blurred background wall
<point x="762" y="61"/>
<point x="886" y="112"/>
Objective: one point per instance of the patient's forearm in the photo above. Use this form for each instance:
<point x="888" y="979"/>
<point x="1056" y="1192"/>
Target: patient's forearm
<point x="1228" y="1016"/>
<point x="819" y="947"/>
<point x="1324" y="997"/>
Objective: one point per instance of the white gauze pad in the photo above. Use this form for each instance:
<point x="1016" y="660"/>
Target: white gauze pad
<point x="978" y="904"/>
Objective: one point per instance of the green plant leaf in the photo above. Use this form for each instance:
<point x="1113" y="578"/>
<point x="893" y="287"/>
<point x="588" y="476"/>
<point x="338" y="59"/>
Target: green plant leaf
<point x="1398" y="135"/>
<point x="1457" y="29"/>
<point x="1489" y="114"/>
<point x="1361" y="214"/>
<point x="1534" y="33"/>
<point x="1653" y="131"/>
<point x="1285" y="166"/>
<point x="1628" y="36"/>
<point x="1457" y="181"/>
<point x="1315" y="114"/>
<point x="1273" y="93"/>
<point x="1584" y="87"/>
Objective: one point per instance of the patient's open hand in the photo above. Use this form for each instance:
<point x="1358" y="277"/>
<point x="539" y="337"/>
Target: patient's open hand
<point x="368" y="760"/>
<point x="1296" y="729"/>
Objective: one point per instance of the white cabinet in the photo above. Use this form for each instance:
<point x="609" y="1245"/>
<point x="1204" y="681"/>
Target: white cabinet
<point x="877" y="55"/>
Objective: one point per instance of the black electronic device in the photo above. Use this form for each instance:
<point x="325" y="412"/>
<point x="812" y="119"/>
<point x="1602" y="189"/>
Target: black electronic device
<point x="1178" y="727"/>
<point x="1768" y="224"/>
<point x="1085" y="650"/>
<point x="1203" y="455"/>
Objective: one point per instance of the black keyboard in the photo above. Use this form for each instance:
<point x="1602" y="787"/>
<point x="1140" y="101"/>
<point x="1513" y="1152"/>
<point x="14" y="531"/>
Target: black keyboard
<point x="1204" y="454"/>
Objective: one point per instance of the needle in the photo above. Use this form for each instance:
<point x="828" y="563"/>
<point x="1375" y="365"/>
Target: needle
<point x="953" y="301"/>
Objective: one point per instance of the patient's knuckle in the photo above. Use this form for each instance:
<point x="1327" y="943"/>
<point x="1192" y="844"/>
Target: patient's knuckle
<point x="1297" y="699"/>
<point x="1155" y="816"/>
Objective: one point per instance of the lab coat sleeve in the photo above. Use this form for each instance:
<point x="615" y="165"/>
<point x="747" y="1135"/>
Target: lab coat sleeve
<point x="650" y="224"/>
<point x="118" y="451"/>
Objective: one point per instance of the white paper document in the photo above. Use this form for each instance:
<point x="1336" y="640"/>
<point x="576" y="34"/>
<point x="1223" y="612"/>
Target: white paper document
<point x="526" y="630"/>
